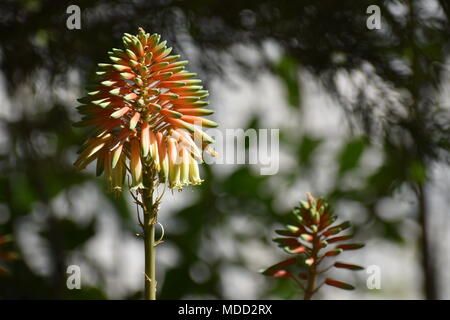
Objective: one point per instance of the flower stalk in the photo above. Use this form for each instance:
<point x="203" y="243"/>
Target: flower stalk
<point x="311" y="283"/>
<point x="150" y="219"/>
<point x="150" y="258"/>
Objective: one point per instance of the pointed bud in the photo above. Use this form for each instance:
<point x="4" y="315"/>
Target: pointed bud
<point x="159" y="66"/>
<point x="286" y="233"/>
<point x="296" y="250"/>
<point x="339" y="284"/>
<point x="293" y="229"/>
<point x="279" y="266"/>
<point x="309" y="261"/>
<point x="139" y="50"/>
<point x="195" y="111"/>
<point x="121" y="68"/>
<point x="172" y="58"/>
<point x="120" y="113"/>
<point x="127" y="75"/>
<point x="348" y="266"/>
<point x="183" y="75"/>
<point x="134" y="120"/>
<point x="164" y="75"/>
<point x="333" y="252"/>
<point x="131" y="54"/>
<point x="149" y="57"/>
<point x="199" y="121"/>
<point x="341" y="238"/>
<point x="304" y="204"/>
<point x="306" y="237"/>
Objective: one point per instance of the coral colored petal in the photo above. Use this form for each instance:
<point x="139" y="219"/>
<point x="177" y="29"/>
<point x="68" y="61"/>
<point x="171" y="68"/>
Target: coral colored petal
<point x="116" y="155"/>
<point x="135" y="163"/>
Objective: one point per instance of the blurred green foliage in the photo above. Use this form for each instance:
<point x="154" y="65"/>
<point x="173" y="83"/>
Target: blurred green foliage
<point x="287" y="69"/>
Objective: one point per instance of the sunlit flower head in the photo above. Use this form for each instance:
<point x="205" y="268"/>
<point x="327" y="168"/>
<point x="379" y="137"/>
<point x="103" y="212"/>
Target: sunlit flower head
<point x="146" y="113"/>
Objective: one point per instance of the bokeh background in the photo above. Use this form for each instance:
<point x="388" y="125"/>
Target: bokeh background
<point x="363" y="118"/>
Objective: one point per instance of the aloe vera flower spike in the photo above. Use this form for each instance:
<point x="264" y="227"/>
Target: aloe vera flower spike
<point x="146" y="115"/>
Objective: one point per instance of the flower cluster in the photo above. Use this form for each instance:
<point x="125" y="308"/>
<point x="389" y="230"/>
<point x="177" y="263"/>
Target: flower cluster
<point x="146" y="112"/>
<point x="309" y="239"/>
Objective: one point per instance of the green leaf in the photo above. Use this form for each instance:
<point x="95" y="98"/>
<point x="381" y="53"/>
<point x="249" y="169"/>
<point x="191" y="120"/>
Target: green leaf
<point x="287" y="70"/>
<point x="348" y="266"/>
<point x="350" y="154"/>
<point x="418" y="172"/>
<point x="350" y="246"/>
<point x="333" y="252"/>
<point x="280" y="266"/>
<point x="339" y="284"/>
<point x="306" y="150"/>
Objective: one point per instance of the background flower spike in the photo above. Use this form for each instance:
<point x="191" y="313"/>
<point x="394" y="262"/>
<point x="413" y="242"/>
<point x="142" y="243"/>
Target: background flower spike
<point x="310" y="238"/>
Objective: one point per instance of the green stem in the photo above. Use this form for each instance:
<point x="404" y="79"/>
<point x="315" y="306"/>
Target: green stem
<point x="150" y="261"/>
<point x="429" y="272"/>
<point x="149" y="242"/>
<point x="310" y="287"/>
<point x="311" y="283"/>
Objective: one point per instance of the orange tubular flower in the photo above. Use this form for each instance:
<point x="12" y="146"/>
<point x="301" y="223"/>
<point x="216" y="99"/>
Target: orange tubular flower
<point x="146" y="111"/>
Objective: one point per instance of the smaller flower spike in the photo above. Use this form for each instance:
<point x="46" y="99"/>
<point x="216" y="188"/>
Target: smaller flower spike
<point x="146" y="110"/>
<point x="308" y="239"/>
